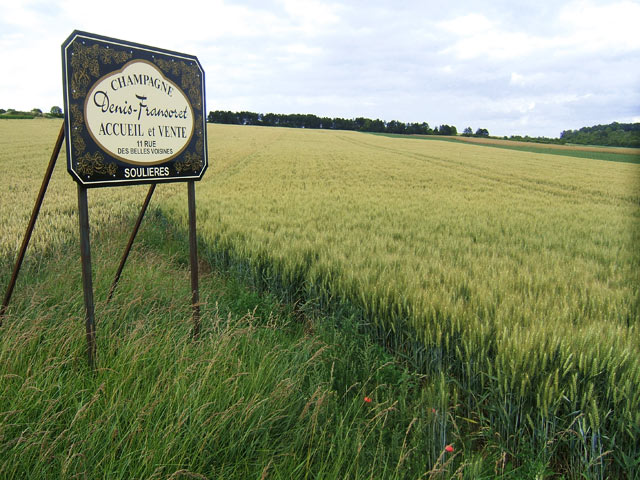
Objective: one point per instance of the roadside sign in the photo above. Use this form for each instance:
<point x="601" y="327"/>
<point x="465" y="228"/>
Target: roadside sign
<point x="133" y="113"/>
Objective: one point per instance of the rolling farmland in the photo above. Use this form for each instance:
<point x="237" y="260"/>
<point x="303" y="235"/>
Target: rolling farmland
<point x="516" y="274"/>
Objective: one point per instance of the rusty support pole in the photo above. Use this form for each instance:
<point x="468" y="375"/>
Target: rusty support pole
<point x="127" y="250"/>
<point x="32" y="222"/>
<point x="87" y="281"/>
<point x="193" y="255"/>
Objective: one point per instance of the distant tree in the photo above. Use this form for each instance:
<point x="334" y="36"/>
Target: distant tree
<point x="56" y="112"/>
<point x="377" y="126"/>
<point x="220" y="116"/>
<point x="248" y="118"/>
<point x="2" y="110"/>
<point x="422" y="128"/>
<point x="344" y="124"/>
<point x="448" y="130"/>
<point x="361" y="124"/>
<point x="270" y="120"/>
<point x="396" y="127"/>
<point x="413" y="129"/>
<point x="482" y="132"/>
<point x="312" y="121"/>
<point x="326" y="123"/>
<point x="36" y="112"/>
<point x="468" y="132"/>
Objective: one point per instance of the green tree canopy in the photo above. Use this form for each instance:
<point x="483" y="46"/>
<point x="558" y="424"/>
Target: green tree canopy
<point x="55" y="112"/>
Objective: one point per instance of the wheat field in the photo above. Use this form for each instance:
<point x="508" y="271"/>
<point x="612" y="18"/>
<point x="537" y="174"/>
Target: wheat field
<point x="515" y="273"/>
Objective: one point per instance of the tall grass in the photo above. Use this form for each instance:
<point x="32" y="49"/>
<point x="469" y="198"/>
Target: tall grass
<point x="259" y="395"/>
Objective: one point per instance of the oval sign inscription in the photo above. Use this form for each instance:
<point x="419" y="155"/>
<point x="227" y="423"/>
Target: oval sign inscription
<point x="139" y="116"/>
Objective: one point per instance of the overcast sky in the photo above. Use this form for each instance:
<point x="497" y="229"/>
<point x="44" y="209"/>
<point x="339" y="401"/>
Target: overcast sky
<point x="513" y="67"/>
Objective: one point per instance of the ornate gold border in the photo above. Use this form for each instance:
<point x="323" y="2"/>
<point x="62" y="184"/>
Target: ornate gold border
<point x="190" y="84"/>
<point x="85" y="62"/>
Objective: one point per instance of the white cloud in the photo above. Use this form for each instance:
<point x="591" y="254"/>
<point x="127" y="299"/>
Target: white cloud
<point x="580" y="28"/>
<point x="496" y="44"/>
<point x="468" y="25"/>
<point x="311" y="16"/>
<point x="517" y="79"/>
<point x="508" y="106"/>
<point x="303" y="49"/>
<point x="158" y="23"/>
<point x="24" y="14"/>
<point x="609" y="28"/>
<point x="527" y="80"/>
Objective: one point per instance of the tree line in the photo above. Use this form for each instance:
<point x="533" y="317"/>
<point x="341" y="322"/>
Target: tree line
<point x="55" y="112"/>
<point x="614" y="135"/>
<point x="611" y="135"/>
<point x="297" y="120"/>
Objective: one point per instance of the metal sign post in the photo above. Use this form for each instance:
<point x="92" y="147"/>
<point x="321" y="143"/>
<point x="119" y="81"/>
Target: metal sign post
<point x="193" y="257"/>
<point x="134" y="114"/>
<point x="87" y="280"/>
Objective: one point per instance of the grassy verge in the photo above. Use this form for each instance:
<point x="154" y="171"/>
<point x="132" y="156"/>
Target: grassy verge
<point x="263" y="393"/>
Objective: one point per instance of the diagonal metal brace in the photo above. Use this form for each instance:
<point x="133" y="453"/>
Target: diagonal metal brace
<point x="152" y="187"/>
<point x="32" y="223"/>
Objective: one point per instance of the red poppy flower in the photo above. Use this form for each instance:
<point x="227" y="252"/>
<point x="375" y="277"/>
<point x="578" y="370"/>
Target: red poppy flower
<point x="449" y="448"/>
<point x="367" y="399"/>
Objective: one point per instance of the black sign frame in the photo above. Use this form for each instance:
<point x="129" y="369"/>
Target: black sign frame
<point x="88" y="59"/>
